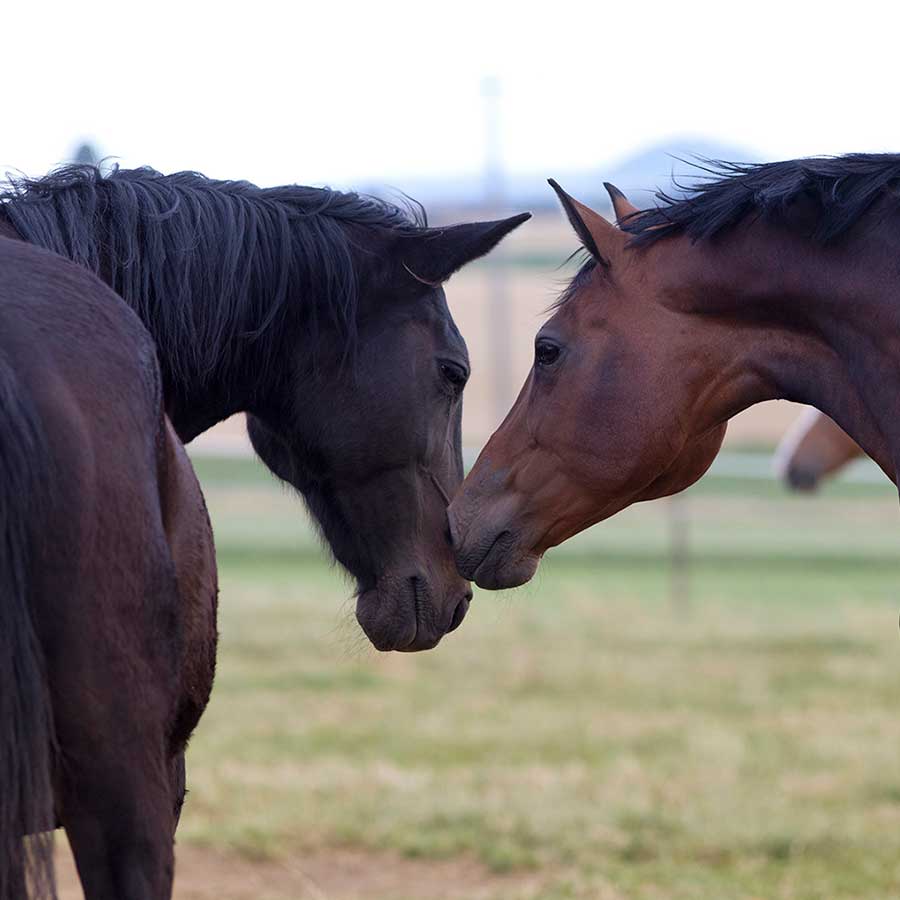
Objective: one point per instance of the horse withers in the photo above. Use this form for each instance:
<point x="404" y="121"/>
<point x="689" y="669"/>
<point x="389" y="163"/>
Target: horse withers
<point x="107" y="588"/>
<point x="322" y="315"/>
<point x="773" y="281"/>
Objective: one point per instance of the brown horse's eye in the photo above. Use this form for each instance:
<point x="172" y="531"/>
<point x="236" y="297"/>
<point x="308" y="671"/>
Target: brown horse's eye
<point x="546" y="353"/>
<point x="455" y="374"/>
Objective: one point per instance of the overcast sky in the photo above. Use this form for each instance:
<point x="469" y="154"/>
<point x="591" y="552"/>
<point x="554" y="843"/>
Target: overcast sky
<point x="340" y="93"/>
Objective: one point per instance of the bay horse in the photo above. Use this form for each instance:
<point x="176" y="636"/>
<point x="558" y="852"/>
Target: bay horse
<point x="765" y="281"/>
<point x="813" y="449"/>
<point x="107" y="588"/>
<point x="322" y="315"/>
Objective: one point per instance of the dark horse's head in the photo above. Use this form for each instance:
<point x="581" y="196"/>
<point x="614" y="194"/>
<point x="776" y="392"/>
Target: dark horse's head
<point x="322" y="315"/>
<point x="372" y="441"/>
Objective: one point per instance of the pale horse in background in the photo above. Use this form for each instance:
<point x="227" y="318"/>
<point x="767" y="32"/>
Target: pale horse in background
<point x="812" y="449"/>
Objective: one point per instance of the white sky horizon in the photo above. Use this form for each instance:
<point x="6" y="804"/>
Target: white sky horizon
<point x="349" y="93"/>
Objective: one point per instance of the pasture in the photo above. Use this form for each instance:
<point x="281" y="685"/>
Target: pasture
<point x="580" y="738"/>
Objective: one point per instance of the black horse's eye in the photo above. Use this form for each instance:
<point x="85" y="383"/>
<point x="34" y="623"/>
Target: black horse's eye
<point x="546" y="353"/>
<point x="455" y="374"/>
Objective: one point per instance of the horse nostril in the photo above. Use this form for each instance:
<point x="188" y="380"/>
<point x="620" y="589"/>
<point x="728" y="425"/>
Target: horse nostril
<point x="452" y="530"/>
<point x="460" y="612"/>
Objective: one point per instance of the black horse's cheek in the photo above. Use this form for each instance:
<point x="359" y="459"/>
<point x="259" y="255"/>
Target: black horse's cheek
<point x="272" y="450"/>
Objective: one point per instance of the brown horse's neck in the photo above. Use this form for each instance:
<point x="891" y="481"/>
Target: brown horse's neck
<point x="785" y="318"/>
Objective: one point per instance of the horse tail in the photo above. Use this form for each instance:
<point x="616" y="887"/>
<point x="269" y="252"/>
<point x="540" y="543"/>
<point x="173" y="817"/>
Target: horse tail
<point x="26" y="728"/>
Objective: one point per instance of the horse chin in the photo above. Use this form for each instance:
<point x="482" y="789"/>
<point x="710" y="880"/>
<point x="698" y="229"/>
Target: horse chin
<point x="499" y="571"/>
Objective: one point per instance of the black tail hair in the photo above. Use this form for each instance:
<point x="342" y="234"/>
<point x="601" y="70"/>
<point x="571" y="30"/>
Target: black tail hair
<point x="26" y="729"/>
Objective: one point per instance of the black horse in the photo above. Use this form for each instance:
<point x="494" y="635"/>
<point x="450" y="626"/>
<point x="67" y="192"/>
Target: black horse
<point x="107" y="588"/>
<point x="322" y="315"/>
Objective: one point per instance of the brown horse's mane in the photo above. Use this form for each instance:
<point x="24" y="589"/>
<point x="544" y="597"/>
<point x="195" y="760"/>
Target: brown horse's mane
<point x="843" y="189"/>
<point x="587" y="264"/>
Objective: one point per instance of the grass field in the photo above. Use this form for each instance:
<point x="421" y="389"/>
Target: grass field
<point x="584" y="737"/>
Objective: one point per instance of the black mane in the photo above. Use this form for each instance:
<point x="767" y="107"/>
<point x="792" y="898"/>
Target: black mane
<point x="587" y="264"/>
<point x="201" y="261"/>
<point x="842" y="187"/>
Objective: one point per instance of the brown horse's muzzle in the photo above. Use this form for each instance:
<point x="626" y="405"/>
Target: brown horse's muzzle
<point x="488" y="550"/>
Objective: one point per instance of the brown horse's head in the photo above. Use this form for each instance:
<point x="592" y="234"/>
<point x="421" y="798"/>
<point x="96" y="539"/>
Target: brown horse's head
<point x="600" y="422"/>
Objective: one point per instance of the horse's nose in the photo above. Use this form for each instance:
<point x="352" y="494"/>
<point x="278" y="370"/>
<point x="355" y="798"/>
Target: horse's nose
<point x="452" y="526"/>
<point x="459" y="612"/>
<point x="470" y="545"/>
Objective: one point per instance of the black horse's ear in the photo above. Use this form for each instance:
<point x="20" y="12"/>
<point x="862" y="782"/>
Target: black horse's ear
<point x="596" y="234"/>
<point x="434" y="254"/>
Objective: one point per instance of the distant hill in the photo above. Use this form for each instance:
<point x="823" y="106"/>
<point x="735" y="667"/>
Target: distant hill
<point x="638" y="175"/>
<point x="642" y="174"/>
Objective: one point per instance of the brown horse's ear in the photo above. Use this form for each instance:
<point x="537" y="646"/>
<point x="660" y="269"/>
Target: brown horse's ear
<point x="621" y="204"/>
<point x="434" y="254"/>
<point x="596" y="234"/>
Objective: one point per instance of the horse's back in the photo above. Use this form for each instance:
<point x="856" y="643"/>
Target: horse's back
<point x="74" y="340"/>
<point x="88" y="368"/>
<point x="118" y="477"/>
<point x="119" y="525"/>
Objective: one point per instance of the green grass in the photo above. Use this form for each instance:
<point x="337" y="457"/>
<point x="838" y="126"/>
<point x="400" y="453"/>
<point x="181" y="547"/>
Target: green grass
<point x="742" y="741"/>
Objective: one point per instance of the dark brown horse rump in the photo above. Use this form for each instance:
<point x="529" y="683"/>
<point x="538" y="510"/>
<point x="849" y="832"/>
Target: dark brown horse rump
<point x="107" y="586"/>
<point x="322" y="315"/>
<point x="773" y="281"/>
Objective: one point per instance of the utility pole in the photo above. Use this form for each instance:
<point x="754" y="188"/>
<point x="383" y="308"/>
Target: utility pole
<point x="86" y="155"/>
<point x="499" y="304"/>
<point x="678" y="522"/>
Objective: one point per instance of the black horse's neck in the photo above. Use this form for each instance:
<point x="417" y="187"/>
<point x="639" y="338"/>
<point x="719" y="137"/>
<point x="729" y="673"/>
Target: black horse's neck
<point x="195" y="407"/>
<point x="219" y="272"/>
